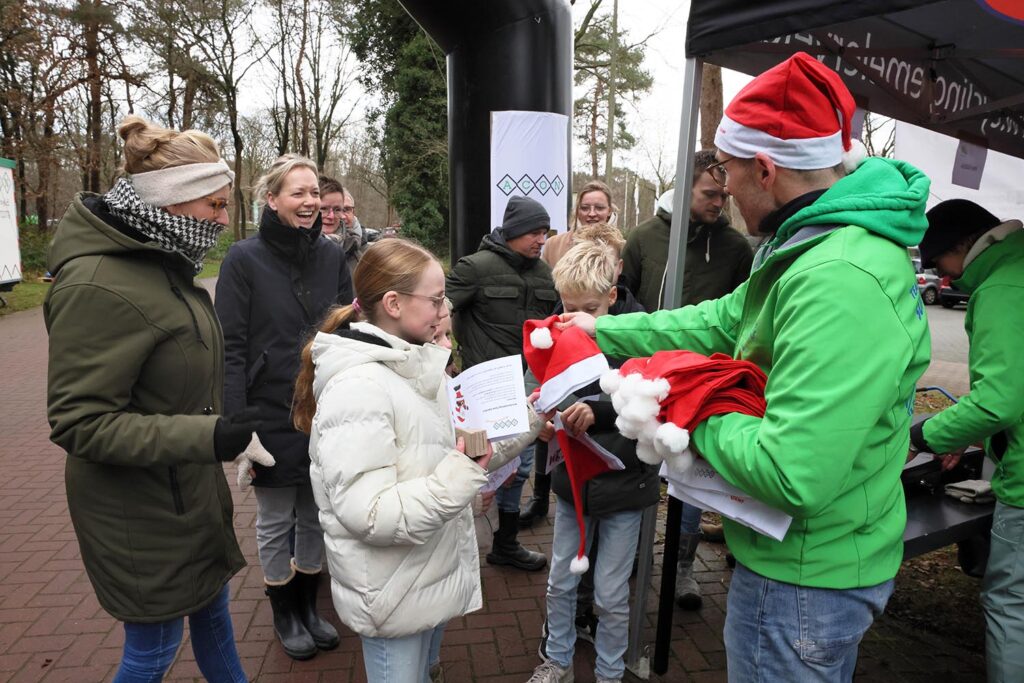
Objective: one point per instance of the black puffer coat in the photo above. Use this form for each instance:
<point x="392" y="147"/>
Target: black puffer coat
<point x="274" y="288"/>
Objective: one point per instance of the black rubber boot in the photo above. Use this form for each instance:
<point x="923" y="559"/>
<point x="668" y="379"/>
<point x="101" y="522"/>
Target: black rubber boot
<point x="506" y="550"/>
<point x="537" y="507"/>
<point x="295" y="639"/>
<point x="324" y="635"/>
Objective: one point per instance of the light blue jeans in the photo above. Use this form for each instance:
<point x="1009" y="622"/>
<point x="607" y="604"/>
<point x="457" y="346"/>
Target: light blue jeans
<point x="1002" y="597"/>
<point x="507" y="499"/>
<point x="149" y="649"/>
<point x="612" y="567"/>
<point x="780" y="632"/>
<point x="402" y="660"/>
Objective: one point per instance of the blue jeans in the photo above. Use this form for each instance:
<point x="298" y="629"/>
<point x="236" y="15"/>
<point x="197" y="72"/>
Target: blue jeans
<point x="777" y="631"/>
<point x="507" y="499"/>
<point x="690" y="523"/>
<point x="612" y="567"/>
<point x="1002" y="597"/>
<point x="149" y="649"/>
<point x="402" y="660"/>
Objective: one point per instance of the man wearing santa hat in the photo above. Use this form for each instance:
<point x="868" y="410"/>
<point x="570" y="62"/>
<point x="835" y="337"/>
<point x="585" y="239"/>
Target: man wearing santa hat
<point x="832" y="315"/>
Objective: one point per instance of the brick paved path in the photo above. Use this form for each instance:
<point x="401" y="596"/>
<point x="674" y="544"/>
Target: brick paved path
<point x="52" y="628"/>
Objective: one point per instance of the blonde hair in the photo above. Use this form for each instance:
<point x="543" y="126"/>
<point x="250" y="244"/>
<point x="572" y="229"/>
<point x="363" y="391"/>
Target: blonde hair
<point x="600" y="232"/>
<point x="587" y="268"/>
<point x="149" y="147"/>
<point x="272" y="181"/>
<point x="394" y="265"/>
<point x="590" y="186"/>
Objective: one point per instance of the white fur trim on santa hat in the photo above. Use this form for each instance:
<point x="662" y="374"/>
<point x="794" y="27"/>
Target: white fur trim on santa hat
<point x="579" y="565"/>
<point x="540" y="338"/>
<point x="671" y="438"/>
<point x="646" y="453"/>
<point x="680" y="462"/>
<point x="797" y="153"/>
<point x="855" y="156"/>
<point x="611" y="381"/>
<point x="640" y="409"/>
<point x="579" y="374"/>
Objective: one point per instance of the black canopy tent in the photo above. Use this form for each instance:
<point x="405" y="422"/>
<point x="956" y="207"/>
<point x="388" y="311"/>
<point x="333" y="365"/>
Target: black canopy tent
<point x="953" y="66"/>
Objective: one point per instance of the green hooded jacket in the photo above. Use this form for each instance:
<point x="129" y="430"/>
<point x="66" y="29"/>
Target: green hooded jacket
<point x="136" y="373"/>
<point x="833" y="316"/>
<point x="994" y="408"/>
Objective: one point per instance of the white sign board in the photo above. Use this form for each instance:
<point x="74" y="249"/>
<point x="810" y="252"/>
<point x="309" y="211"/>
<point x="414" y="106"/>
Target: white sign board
<point x="964" y="171"/>
<point x="530" y="158"/>
<point x="10" y="254"/>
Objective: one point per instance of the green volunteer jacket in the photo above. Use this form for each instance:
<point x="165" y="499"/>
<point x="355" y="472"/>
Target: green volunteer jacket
<point x="832" y="314"/>
<point x="493" y="292"/>
<point x="136" y="377"/>
<point x="994" y="408"/>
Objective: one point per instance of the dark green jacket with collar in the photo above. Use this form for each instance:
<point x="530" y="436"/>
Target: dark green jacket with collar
<point x="718" y="260"/>
<point x="993" y="411"/>
<point x="493" y="292"/>
<point x="136" y="371"/>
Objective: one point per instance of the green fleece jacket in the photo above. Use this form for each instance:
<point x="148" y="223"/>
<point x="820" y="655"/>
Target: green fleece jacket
<point x="832" y="314"/>
<point x="994" y="408"/>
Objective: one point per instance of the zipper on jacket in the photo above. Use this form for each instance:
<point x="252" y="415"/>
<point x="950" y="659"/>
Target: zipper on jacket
<point x="179" y="503"/>
<point x="181" y="297"/>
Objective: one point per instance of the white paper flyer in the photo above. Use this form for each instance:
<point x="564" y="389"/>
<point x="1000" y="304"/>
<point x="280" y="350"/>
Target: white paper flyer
<point x="490" y="396"/>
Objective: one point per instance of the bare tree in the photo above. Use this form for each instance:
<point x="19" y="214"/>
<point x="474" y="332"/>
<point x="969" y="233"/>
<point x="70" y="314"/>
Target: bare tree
<point x="710" y="105"/>
<point x="879" y="135"/>
<point x="224" y="35"/>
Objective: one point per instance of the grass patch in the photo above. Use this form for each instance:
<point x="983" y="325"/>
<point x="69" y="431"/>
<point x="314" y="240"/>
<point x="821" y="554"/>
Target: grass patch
<point x="24" y="296"/>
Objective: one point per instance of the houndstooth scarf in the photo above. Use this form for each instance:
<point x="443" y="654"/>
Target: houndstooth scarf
<point x="184" y="235"/>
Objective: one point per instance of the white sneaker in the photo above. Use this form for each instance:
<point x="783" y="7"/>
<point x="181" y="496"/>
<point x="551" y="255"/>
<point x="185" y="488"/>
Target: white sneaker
<point x="607" y="680"/>
<point x="550" y="672"/>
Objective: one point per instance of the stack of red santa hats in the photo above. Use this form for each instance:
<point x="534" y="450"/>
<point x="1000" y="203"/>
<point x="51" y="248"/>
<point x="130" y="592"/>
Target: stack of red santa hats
<point x="661" y="399"/>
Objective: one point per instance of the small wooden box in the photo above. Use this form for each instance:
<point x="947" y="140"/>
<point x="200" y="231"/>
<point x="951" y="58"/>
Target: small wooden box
<point x="476" y="441"/>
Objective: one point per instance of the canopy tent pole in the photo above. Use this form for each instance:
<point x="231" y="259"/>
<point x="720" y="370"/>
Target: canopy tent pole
<point x="692" y="76"/>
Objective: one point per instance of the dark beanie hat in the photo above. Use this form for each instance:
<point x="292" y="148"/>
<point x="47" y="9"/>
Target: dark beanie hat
<point x="949" y="223"/>
<point x="523" y="215"/>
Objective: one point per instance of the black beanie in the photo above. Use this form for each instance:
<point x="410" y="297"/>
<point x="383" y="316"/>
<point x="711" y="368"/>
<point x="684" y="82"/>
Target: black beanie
<point x="949" y="223"/>
<point x="523" y="215"/>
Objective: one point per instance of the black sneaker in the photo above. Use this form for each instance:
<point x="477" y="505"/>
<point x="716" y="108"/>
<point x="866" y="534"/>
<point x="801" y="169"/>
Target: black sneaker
<point x="542" y="649"/>
<point x="586" y="626"/>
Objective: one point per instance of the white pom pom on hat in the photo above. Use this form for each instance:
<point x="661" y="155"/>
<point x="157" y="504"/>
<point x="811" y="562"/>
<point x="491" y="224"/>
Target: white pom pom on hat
<point x="855" y="156"/>
<point x="540" y="338"/>
<point x="579" y="565"/>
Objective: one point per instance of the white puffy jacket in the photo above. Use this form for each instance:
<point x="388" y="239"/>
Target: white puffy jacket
<point x="394" y="494"/>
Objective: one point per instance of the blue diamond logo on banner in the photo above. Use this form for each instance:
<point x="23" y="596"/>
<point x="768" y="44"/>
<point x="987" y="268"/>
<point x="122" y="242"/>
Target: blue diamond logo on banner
<point x="507" y="185"/>
<point x="526" y="184"/>
<point x="543" y="184"/>
<point x="557" y="185"/>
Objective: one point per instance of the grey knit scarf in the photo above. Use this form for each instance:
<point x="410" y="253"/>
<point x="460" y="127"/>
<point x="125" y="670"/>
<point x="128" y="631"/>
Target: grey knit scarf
<point x="184" y="235"/>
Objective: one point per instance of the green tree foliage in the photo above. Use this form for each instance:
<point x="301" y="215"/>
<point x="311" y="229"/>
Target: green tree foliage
<point x="593" y="60"/>
<point x="406" y="69"/>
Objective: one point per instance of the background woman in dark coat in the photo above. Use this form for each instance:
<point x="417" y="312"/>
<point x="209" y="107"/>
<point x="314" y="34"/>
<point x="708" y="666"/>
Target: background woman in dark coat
<point x="134" y="392"/>
<point x="273" y="290"/>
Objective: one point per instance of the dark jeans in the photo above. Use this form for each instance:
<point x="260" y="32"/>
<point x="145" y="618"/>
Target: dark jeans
<point x="149" y="649"/>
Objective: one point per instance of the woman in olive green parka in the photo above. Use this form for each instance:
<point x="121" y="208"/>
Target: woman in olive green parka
<point x="136" y="367"/>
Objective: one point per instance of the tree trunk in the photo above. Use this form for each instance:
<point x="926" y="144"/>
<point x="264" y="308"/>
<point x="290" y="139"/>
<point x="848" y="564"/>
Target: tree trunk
<point x="613" y="58"/>
<point x="303" y="108"/>
<point x="710" y="105"/>
<point x="231" y="100"/>
<point x="94" y="119"/>
<point x="593" y="129"/>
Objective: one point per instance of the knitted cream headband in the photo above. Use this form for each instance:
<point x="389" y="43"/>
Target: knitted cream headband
<point x="181" y="183"/>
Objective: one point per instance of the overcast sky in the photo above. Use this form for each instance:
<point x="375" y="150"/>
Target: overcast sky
<point x="656" y="121"/>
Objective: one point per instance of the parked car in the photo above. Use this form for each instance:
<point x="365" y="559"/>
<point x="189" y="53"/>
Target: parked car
<point x="928" y="282"/>
<point x="950" y="296"/>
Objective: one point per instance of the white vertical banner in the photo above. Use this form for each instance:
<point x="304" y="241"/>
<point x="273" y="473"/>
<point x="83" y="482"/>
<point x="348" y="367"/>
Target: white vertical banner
<point x="10" y="254"/>
<point x="530" y="158"/>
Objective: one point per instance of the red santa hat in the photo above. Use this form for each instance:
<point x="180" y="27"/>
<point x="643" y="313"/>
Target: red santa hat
<point x="584" y="460"/>
<point x="798" y="112"/>
<point x="561" y="360"/>
<point x="661" y="399"/>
